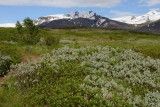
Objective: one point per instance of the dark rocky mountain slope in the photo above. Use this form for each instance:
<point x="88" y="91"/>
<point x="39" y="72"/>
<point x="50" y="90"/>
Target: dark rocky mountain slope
<point x="151" y="28"/>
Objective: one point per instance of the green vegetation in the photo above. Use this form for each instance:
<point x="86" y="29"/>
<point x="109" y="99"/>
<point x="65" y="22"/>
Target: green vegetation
<point x="148" y="44"/>
<point x="82" y="67"/>
<point x="12" y="45"/>
<point x="51" y="41"/>
<point x="19" y="28"/>
<point x="5" y="63"/>
<point x="31" y="37"/>
<point x="91" y="76"/>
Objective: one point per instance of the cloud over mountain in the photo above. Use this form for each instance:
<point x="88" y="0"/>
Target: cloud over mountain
<point x="62" y="3"/>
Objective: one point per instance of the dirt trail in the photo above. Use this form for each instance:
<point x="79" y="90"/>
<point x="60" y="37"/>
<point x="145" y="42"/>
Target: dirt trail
<point x="34" y="58"/>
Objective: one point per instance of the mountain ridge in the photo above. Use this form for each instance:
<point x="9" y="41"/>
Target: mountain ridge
<point x="151" y="16"/>
<point x="81" y="18"/>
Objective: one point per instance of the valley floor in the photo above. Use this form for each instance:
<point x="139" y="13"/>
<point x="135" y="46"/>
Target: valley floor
<point x="89" y="67"/>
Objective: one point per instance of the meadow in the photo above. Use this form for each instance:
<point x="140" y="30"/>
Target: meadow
<point x="81" y="67"/>
<point x="148" y="44"/>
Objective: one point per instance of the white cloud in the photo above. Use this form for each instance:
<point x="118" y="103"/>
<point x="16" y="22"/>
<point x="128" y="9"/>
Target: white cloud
<point x="150" y="2"/>
<point x="121" y="14"/>
<point x="62" y="3"/>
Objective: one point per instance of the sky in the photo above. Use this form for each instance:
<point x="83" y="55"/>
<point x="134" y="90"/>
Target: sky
<point x="13" y="10"/>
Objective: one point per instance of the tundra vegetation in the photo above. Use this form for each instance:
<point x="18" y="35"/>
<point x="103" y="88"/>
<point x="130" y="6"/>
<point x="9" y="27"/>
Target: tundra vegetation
<point x="80" y="67"/>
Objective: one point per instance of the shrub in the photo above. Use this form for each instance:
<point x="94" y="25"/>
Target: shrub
<point x="12" y="51"/>
<point x="5" y="63"/>
<point x="51" y="40"/>
<point x="91" y="76"/>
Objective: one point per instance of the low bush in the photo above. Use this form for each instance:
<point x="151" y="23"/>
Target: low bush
<point x="31" y="41"/>
<point x="12" y="51"/>
<point x="52" y="40"/>
<point x="5" y="63"/>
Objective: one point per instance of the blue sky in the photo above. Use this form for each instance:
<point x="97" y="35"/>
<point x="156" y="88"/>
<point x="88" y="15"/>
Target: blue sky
<point x="13" y="10"/>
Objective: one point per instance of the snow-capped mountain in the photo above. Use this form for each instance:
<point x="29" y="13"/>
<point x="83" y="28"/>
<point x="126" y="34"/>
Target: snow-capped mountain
<point x="151" y="16"/>
<point x="70" y="15"/>
<point x="79" y="18"/>
<point x="8" y="25"/>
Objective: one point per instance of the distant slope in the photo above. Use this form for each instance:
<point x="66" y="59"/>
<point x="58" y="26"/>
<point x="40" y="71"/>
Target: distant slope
<point x="151" y="28"/>
<point x="151" y="16"/>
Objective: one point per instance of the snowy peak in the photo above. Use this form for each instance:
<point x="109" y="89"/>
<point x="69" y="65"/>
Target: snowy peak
<point x="151" y="16"/>
<point x="82" y="14"/>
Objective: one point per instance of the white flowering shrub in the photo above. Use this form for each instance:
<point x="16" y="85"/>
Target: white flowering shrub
<point x="5" y="63"/>
<point x="120" y="77"/>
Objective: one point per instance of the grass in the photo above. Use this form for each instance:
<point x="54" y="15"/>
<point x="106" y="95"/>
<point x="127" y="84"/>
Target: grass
<point x="10" y="98"/>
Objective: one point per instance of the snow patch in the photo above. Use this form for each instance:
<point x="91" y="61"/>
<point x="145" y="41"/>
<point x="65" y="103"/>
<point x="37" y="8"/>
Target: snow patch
<point x="102" y="20"/>
<point x="50" y="18"/>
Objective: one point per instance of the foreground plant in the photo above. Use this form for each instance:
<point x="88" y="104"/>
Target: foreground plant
<point x="100" y="76"/>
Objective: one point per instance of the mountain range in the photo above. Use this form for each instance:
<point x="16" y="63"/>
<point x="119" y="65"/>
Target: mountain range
<point x="77" y="18"/>
<point x="151" y="16"/>
<point x="148" y="22"/>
